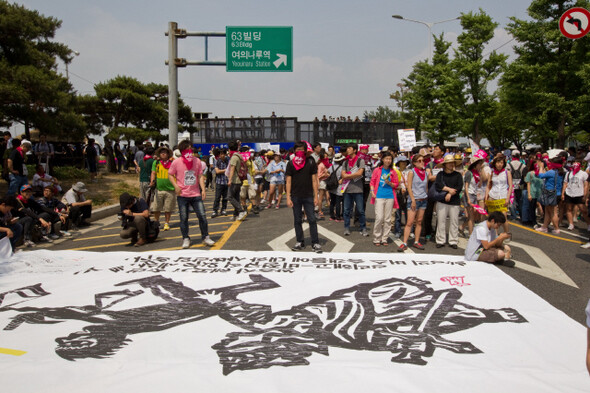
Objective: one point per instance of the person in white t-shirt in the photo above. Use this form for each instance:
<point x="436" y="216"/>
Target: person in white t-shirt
<point x="486" y="245"/>
<point x="575" y="187"/>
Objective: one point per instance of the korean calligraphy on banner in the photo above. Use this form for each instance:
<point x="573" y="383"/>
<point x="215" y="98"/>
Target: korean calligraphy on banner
<point x="277" y="321"/>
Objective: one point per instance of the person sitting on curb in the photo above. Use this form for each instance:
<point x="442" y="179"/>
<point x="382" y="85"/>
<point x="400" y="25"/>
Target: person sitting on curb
<point x="486" y="245"/>
<point x="79" y="208"/>
<point x="9" y="227"/>
<point x="135" y="217"/>
<point x="31" y="213"/>
<point x="54" y="204"/>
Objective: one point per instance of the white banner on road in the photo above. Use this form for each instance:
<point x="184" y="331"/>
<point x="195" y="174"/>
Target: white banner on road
<point x="406" y="139"/>
<point x="244" y="321"/>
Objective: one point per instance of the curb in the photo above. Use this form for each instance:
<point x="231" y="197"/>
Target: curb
<point x="104" y="212"/>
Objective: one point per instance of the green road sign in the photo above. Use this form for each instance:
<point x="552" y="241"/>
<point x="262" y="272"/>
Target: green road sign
<point x="251" y="48"/>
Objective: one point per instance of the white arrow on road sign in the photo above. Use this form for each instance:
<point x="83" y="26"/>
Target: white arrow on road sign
<point x="281" y="60"/>
<point x="280" y="243"/>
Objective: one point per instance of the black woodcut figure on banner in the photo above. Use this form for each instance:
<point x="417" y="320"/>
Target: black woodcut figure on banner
<point x="403" y="316"/>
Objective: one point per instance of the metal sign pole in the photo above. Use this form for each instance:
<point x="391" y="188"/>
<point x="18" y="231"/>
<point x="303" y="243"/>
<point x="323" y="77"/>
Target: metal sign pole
<point x="172" y="85"/>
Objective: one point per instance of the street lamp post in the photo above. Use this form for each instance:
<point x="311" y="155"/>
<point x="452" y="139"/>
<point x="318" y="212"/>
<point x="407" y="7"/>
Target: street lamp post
<point x="429" y="25"/>
<point x="76" y="53"/>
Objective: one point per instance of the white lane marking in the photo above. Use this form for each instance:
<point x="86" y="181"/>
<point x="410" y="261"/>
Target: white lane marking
<point x="342" y="245"/>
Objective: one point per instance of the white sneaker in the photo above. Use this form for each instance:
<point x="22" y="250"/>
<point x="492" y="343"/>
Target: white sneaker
<point x="587" y="245"/>
<point x="242" y="215"/>
<point x="208" y="241"/>
<point x="46" y="239"/>
<point x="66" y="234"/>
<point x="54" y="236"/>
<point x="570" y="227"/>
<point x="30" y="243"/>
<point x="186" y="242"/>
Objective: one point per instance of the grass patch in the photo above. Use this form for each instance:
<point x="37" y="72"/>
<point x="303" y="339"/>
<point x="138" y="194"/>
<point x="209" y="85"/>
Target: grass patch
<point x="121" y="187"/>
<point x="70" y="173"/>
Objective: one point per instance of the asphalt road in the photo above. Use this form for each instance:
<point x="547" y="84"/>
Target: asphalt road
<point x="552" y="266"/>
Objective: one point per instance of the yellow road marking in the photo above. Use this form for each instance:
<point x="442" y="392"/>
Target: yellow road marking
<point x="13" y="352"/>
<point x="161" y="231"/>
<point x="124" y="243"/>
<point x="175" y="221"/>
<point x="546" y="234"/>
<point x="230" y="231"/>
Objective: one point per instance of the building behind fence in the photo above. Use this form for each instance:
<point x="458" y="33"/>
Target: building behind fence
<point x="285" y="129"/>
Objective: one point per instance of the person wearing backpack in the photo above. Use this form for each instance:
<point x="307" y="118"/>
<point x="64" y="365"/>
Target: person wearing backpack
<point x="517" y="169"/>
<point x="332" y="185"/>
<point x="236" y="167"/>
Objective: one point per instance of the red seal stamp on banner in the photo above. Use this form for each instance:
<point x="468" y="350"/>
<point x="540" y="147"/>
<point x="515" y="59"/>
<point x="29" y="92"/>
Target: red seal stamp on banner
<point x="455" y="281"/>
<point x="575" y="23"/>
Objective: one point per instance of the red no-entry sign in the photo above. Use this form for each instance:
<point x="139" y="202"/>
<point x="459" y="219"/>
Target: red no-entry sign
<point x="575" y="23"/>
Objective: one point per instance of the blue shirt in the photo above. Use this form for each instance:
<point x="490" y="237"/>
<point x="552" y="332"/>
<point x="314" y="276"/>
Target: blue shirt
<point x="385" y="191"/>
<point x="549" y="177"/>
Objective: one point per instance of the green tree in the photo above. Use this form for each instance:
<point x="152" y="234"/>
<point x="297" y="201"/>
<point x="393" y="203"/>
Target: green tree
<point x="548" y="82"/>
<point x="384" y="114"/>
<point x="476" y="71"/>
<point x="433" y="94"/>
<point x="420" y="85"/>
<point x="32" y="92"/>
<point x="126" y="109"/>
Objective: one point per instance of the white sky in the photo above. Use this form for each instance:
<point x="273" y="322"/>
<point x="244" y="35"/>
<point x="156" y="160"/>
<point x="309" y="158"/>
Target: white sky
<point x="348" y="55"/>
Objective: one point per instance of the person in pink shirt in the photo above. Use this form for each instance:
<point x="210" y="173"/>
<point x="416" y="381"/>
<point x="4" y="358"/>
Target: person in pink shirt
<point x="186" y="175"/>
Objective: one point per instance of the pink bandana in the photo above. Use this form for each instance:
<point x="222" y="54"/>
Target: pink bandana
<point x="421" y="173"/>
<point x="326" y="162"/>
<point x="166" y="164"/>
<point x="576" y="167"/>
<point x="187" y="157"/>
<point x="246" y="155"/>
<point x="299" y="160"/>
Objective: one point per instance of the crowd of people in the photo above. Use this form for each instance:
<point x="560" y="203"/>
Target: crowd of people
<point x="460" y="188"/>
<point x="431" y="194"/>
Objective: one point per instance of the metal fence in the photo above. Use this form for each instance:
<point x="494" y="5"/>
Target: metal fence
<point x="253" y="129"/>
<point x="289" y="129"/>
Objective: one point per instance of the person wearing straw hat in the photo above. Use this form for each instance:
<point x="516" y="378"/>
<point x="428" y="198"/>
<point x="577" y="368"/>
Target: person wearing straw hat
<point x="451" y="182"/>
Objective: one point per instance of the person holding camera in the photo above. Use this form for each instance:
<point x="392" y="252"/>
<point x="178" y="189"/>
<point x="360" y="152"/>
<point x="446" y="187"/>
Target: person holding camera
<point x="135" y="217"/>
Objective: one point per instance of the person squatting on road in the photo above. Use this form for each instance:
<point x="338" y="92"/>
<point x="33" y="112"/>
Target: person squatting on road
<point x="302" y="193"/>
<point x="186" y="175"/>
<point x="486" y="245"/>
<point x="135" y="217"/>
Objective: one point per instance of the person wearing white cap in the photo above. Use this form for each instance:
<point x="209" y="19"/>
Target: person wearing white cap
<point x="79" y="208"/>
